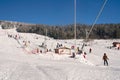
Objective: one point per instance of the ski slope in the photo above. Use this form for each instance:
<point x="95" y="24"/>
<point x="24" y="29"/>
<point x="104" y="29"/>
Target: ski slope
<point x="19" y="63"/>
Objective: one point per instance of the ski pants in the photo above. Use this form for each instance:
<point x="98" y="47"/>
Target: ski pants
<point x="105" y="62"/>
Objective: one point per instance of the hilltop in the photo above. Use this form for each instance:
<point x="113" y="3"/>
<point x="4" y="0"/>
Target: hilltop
<point x="100" y="31"/>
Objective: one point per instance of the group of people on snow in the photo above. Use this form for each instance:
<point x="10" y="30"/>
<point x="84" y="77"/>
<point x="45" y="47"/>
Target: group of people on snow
<point x="73" y="53"/>
<point x="59" y="45"/>
<point x="78" y="51"/>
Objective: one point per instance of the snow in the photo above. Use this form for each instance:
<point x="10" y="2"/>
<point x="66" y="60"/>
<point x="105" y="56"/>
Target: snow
<point x="18" y="62"/>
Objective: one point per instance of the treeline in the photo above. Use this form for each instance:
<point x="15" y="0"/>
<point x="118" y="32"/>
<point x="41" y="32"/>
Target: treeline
<point x="100" y="31"/>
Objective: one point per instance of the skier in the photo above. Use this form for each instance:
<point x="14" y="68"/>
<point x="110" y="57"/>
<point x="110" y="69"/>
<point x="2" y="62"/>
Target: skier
<point x="72" y="52"/>
<point x="84" y="55"/>
<point x="37" y="50"/>
<point x="105" y="58"/>
<point x="90" y="50"/>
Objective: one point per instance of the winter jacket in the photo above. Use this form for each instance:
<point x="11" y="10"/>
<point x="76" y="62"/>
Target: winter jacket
<point x="105" y="57"/>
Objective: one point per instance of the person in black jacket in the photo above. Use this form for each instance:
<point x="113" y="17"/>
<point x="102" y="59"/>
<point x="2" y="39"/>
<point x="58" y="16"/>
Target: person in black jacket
<point x="105" y="58"/>
<point x="90" y="50"/>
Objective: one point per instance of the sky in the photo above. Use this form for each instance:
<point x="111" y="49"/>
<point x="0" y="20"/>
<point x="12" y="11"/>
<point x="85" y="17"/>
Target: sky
<point x="59" y="12"/>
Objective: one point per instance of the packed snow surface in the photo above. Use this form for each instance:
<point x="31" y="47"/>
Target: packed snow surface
<point x="21" y="63"/>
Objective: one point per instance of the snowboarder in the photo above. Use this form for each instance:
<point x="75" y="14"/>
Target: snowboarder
<point x="105" y="58"/>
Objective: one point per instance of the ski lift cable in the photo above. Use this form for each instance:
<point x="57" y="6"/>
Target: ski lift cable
<point x="96" y="18"/>
<point x="87" y="36"/>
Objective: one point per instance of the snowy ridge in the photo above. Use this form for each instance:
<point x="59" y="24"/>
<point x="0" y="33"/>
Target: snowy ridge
<point x="18" y="62"/>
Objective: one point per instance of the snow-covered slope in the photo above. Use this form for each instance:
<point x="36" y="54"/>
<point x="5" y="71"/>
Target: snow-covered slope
<point x="18" y="62"/>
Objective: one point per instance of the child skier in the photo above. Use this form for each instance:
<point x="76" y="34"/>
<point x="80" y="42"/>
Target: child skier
<point x="105" y="58"/>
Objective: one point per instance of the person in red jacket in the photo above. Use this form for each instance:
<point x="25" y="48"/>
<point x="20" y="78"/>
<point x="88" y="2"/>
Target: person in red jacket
<point x="105" y="58"/>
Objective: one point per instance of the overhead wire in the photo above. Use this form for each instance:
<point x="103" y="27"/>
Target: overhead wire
<point x="100" y="12"/>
